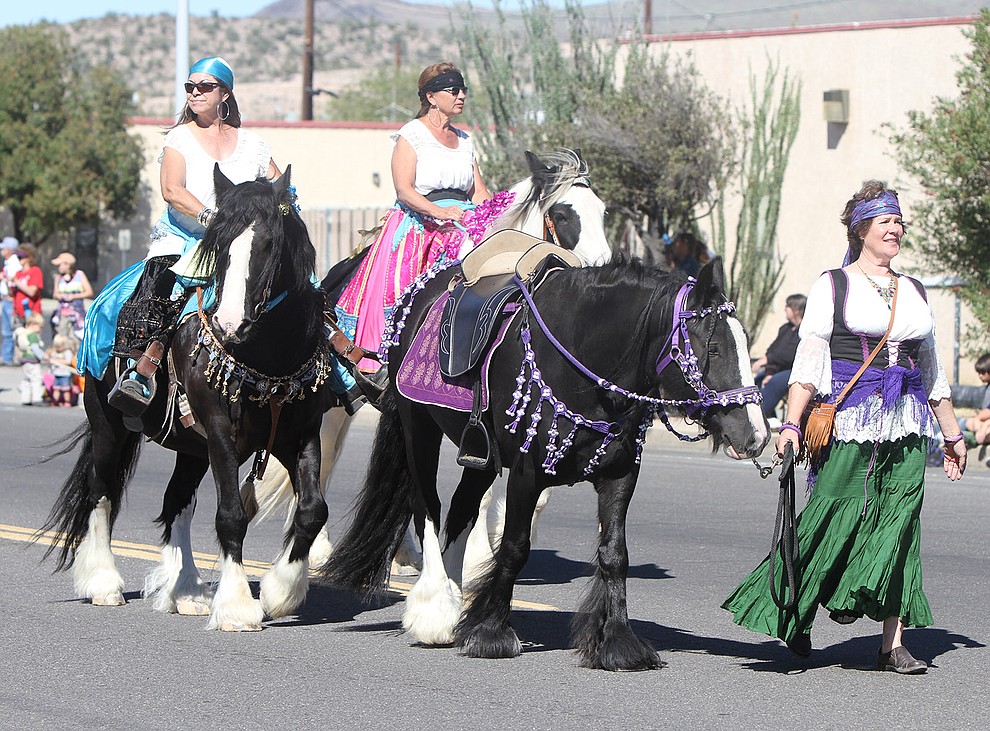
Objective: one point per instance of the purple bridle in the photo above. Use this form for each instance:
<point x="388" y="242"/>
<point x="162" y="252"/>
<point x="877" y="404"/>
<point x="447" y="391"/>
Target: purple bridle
<point x="680" y="352"/>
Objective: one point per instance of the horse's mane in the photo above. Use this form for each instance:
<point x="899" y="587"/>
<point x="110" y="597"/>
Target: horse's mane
<point x="257" y="201"/>
<point x="630" y="274"/>
<point x="566" y="168"/>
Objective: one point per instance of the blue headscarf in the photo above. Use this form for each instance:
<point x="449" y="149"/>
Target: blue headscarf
<point x="215" y="67"/>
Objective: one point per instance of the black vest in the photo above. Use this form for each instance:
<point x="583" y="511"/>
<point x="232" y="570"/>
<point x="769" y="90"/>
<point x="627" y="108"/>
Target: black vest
<point x="856" y="347"/>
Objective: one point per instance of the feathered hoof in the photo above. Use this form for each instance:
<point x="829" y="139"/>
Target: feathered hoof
<point x="404" y="569"/>
<point x="192" y="607"/>
<point x="113" y="599"/>
<point x="623" y="653"/>
<point x="240" y="627"/>
<point x="491" y="643"/>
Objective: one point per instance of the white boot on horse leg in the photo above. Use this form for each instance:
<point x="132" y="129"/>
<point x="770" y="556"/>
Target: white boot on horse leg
<point x="95" y="572"/>
<point x="433" y="607"/>
<point x="234" y="609"/>
<point x="284" y="586"/>
<point x="498" y="522"/>
<point x="408" y="559"/>
<point x="478" y="553"/>
<point x="174" y="585"/>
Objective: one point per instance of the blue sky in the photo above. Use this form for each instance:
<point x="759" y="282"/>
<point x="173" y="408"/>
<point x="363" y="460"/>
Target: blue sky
<point x="66" y="11"/>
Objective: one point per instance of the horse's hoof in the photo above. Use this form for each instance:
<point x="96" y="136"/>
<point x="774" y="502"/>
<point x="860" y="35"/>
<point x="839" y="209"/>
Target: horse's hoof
<point x="403" y="569"/>
<point x="114" y="599"/>
<point x="240" y="627"/>
<point x="192" y="607"/>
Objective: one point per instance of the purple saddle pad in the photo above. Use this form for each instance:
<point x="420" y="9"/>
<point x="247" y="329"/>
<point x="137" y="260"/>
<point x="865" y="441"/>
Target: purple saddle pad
<point x="419" y="378"/>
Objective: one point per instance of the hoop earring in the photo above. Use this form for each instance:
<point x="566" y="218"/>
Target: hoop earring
<point x="223" y="116"/>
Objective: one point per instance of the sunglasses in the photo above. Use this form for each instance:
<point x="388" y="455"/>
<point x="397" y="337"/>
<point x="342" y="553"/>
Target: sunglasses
<point x="203" y="87"/>
<point x="456" y="90"/>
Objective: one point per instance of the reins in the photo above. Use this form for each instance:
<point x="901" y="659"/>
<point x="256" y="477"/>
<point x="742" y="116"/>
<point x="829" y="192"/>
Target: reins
<point x="679" y="352"/>
<point x="785" y="536"/>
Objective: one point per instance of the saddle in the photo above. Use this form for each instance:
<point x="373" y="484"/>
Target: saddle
<point x="488" y="283"/>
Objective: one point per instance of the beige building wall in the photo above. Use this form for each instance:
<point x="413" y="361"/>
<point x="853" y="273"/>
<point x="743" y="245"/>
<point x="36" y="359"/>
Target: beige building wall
<point x="888" y="71"/>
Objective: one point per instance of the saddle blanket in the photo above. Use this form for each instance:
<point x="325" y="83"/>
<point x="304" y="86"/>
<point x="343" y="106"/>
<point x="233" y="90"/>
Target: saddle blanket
<point x="419" y="378"/>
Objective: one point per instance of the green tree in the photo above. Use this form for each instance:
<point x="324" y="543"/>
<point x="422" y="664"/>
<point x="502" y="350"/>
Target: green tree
<point x="655" y="144"/>
<point x="531" y="92"/>
<point x="387" y="95"/>
<point x="948" y="151"/>
<point x="65" y="156"/>
<point x="769" y="126"/>
<point x="658" y="144"/>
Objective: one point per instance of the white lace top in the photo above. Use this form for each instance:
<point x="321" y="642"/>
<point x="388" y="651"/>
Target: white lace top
<point x="437" y="166"/>
<point x="866" y="313"/>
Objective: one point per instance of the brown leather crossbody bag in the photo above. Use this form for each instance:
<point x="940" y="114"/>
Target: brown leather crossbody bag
<point x="819" y="418"/>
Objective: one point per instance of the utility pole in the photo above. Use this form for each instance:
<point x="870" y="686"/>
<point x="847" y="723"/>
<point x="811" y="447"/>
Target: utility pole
<point x="307" y="72"/>
<point x="181" y="52"/>
<point x="647" y="18"/>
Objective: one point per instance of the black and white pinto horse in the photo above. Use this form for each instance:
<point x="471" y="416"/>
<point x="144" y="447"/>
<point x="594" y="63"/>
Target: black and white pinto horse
<point x="256" y="359"/>
<point x="557" y="204"/>
<point x="556" y="423"/>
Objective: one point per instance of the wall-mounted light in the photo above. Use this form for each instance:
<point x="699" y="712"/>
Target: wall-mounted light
<point x="376" y="179"/>
<point x="835" y="104"/>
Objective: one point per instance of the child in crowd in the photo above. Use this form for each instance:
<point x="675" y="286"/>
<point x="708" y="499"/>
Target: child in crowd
<point x="30" y="353"/>
<point x="63" y="360"/>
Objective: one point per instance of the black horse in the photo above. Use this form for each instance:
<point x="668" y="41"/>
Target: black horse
<point x="252" y="367"/>
<point x="555" y="426"/>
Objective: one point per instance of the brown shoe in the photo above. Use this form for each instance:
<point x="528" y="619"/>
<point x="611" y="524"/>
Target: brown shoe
<point x="901" y="661"/>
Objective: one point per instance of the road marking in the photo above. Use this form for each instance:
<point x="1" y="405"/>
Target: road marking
<point x="204" y="561"/>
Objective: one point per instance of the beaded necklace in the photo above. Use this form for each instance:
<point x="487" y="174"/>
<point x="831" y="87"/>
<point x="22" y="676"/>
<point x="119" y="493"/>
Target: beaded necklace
<point x="887" y="293"/>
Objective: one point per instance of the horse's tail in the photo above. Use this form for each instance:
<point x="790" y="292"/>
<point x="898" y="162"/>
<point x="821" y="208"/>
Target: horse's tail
<point x="362" y="559"/>
<point x="69" y="518"/>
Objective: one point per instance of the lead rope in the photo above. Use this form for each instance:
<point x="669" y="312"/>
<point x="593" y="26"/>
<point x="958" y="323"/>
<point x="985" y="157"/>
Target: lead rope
<point x="785" y="536"/>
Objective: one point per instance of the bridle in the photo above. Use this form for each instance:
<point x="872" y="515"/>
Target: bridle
<point x="549" y="229"/>
<point x="681" y="353"/>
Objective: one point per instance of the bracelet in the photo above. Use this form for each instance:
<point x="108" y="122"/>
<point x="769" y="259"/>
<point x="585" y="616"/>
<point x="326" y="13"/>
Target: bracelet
<point x="205" y="216"/>
<point x="793" y="427"/>
<point x="952" y="440"/>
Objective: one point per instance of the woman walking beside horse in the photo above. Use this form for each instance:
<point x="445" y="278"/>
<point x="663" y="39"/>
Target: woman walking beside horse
<point x="859" y="535"/>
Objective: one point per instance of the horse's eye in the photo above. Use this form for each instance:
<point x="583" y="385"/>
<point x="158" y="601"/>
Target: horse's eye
<point x="713" y="348"/>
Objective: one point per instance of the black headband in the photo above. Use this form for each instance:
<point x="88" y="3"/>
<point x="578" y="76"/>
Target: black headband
<point x="442" y="81"/>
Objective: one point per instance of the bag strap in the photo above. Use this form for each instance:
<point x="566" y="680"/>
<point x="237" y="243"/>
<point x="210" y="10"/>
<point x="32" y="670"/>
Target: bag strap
<point x="866" y="363"/>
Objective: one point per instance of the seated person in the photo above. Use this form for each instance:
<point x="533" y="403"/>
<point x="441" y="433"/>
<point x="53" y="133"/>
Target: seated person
<point x="682" y="253"/>
<point x="774" y="369"/>
<point x="976" y="428"/>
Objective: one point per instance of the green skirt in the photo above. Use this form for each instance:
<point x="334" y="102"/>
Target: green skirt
<point x="853" y="561"/>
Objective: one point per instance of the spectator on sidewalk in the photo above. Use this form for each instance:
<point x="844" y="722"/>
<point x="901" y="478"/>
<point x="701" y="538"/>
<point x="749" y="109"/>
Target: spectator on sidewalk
<point x="11" y="265"/>
<point x="773" y="370"/>
<point x="30" y="353"/>
<point x="27" y="284"/>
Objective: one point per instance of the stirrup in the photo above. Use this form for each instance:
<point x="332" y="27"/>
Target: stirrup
<point x="475" y="449"/>
<point x="372" y="385"/>
<point x="128" y="394"/>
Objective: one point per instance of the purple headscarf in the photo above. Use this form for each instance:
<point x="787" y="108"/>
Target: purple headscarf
<point x="879" y="206"/>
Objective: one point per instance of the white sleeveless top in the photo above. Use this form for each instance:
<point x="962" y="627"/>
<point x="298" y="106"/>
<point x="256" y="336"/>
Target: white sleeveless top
<point x="439" y="167"/>
<point x="249" y="161"/>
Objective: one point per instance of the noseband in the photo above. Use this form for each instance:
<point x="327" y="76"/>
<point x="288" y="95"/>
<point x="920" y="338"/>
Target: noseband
<point x="681" y="353"/>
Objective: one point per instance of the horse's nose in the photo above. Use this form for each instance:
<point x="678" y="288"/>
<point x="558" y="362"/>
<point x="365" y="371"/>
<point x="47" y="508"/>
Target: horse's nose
<point x="228" y="330"/>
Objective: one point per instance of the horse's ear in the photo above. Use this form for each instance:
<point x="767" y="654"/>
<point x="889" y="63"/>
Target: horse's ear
<point x="536" y="165"/>
<point x="577" y="153"/>
<point x="221" y="183"/>
<point x="711" y="282"/>
<point x="283" y="182"/>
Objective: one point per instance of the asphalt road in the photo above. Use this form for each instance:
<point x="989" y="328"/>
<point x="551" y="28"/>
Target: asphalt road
<point x="698" y="523"/>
